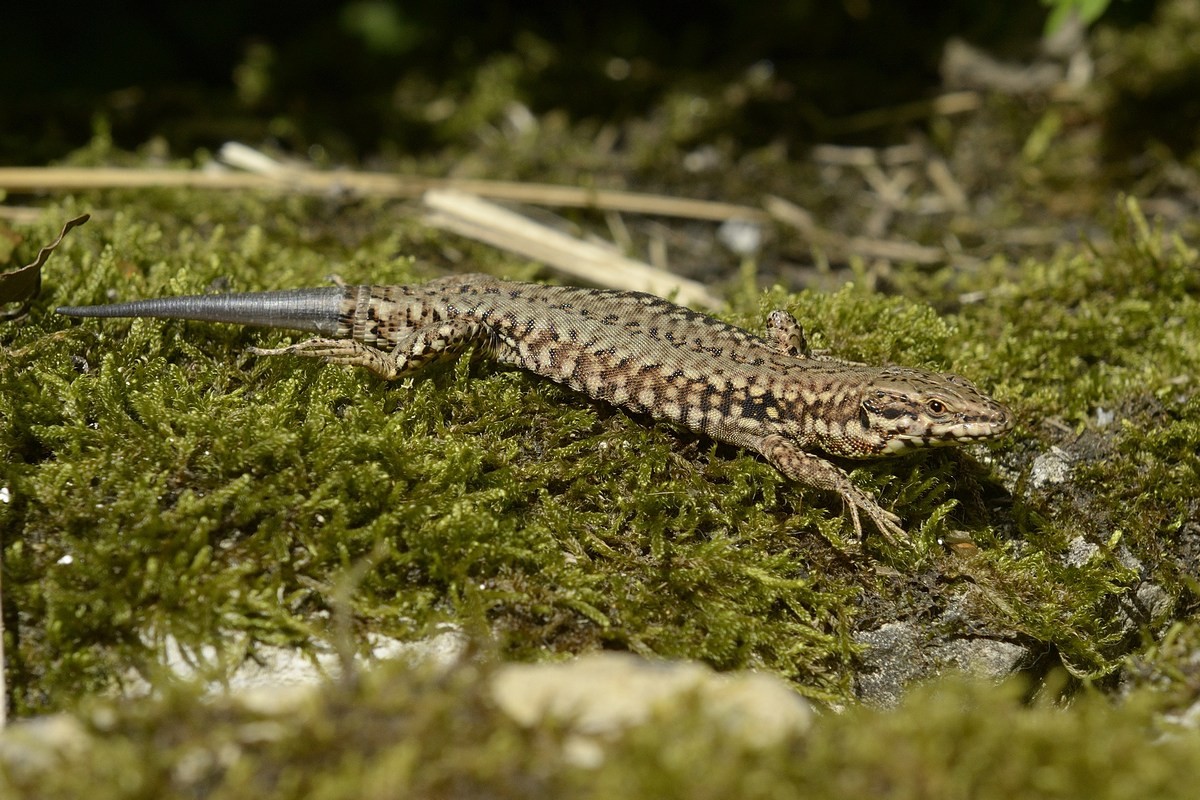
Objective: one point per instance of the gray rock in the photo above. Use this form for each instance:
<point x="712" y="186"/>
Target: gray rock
<point x="35" y="746"/>
<point x="1050" y="468"/>
<point x="897" y="654"/>
<point x="601" y="695"/>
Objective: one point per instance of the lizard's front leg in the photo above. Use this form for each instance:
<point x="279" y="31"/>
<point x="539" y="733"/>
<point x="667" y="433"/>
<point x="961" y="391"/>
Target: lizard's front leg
<point x="786" y="335"/>
<point x="803" y="467"/>
<point x="414" y="350"/>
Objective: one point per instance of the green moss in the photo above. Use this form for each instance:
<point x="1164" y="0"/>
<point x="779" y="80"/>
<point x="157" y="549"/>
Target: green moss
<point x="399" y="732"/>
<point x="201" y="493"/>
<point x="955" y="740"/>
<point x="213" y="496"/>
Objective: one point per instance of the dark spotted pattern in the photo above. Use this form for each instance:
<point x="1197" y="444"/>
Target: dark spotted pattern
<point x="638" y="352"/>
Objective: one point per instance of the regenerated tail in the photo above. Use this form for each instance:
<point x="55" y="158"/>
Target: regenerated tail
<point x="314" y="310"/>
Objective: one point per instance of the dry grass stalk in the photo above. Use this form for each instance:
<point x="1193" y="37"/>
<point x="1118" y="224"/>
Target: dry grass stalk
<point x="499" y="227"/>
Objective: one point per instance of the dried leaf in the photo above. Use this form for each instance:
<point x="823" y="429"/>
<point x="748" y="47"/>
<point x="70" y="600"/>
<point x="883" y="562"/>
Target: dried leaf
<point x="22" y="285"/>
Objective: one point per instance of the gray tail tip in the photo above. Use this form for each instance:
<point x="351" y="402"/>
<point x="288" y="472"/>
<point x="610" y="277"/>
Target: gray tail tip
<point x="81" y="311"/>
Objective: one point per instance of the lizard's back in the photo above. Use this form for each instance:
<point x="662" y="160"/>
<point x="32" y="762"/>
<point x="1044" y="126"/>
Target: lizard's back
<point x="631" y="349"/>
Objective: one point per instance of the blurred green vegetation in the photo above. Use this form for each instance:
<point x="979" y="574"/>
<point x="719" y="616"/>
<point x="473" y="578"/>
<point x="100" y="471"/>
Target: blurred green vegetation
<point x="357" y="79"/>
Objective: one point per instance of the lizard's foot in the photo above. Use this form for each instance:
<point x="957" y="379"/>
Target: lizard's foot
<point x="812" y="470"/>
<point x="887" y="522"/>
<point x="339" y="351"/>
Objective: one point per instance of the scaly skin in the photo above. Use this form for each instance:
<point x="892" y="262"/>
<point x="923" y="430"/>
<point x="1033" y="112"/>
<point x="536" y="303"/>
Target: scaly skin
<point x="638" y="352"/>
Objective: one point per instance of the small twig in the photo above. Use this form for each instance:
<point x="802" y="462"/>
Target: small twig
<point x="619" y="231"/>
<point x="487" y="222"/>
<point x="943" y="180"/>
<point x="30" y="179"/>
<point x="891" y="192"/>
<point x="893" y="250"/>
<point x="890" y="188"/>
<point x="791" y="214"/>
<point x="843" y="156"/>
<point x="943" y="106"/>
<point x="898" y="155"/>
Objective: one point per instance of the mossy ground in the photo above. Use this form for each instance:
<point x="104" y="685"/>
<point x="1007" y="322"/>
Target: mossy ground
<point x="161" y="482"/>
<point x="165" y="483"/>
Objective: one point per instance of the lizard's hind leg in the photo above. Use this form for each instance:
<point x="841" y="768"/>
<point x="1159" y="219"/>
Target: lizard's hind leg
<point x="413" y="350"/>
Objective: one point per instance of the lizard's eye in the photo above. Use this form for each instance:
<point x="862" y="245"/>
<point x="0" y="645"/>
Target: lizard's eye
<point x="936" y="406"/>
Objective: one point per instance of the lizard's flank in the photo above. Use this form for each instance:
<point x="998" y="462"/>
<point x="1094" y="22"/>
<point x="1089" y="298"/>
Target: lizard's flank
<point x="636" y="351"/>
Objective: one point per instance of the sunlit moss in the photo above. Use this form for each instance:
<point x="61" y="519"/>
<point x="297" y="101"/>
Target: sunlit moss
<point x="198" y="491"/>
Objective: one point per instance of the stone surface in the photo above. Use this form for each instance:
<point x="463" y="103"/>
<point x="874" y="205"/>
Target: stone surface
<point x="36" y="746"/>
<point x="897" y="654"/>
<point x="602" y="694"/>
<point x="1051" y="468"/>
<point x="284" y="674"/>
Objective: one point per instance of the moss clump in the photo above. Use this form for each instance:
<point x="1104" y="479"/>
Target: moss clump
<point x="400" y="732"/>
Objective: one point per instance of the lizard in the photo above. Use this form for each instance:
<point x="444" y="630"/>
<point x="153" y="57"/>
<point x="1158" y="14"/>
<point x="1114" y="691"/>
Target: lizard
<point x="639" y="352"/>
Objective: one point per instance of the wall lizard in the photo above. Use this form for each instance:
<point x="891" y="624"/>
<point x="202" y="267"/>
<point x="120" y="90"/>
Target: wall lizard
<point x="636" y="351"/>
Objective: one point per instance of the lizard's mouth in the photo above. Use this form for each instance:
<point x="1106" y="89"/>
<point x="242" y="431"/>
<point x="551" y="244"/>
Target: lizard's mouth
<point x="958" y="431"/>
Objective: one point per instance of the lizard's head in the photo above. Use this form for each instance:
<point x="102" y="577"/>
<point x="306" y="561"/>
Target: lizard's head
<point x="907" y="408"/>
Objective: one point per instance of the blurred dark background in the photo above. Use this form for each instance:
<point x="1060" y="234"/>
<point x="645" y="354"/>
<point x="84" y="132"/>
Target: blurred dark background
<point x="367" y="76"/>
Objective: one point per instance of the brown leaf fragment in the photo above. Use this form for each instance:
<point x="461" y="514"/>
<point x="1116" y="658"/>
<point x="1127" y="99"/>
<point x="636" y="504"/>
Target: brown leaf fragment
<point x="21" y="286"/>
